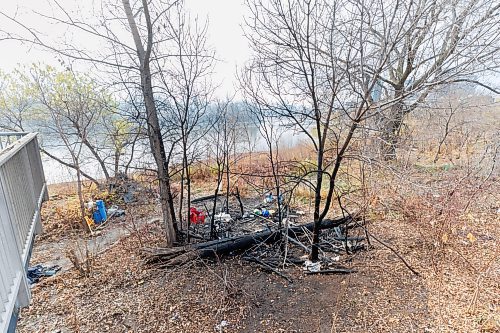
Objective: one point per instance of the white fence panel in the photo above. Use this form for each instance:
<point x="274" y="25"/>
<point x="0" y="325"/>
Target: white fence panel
<point x="22" y="191"/>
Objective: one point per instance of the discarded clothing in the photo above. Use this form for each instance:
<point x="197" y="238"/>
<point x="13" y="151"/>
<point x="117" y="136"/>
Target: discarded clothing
<point x="39" y="271"/>
<point x="114" y="211"/>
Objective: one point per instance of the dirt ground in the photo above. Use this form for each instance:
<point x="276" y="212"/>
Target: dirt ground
<point x="456" y="291"/>
<point x="122" y="296"/>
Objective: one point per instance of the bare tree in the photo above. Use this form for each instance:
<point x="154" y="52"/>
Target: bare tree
<point x="271" y="130"/>
<point x="444" y="42"/>
<point x="185" y="89"/>
<point x="70" y="107"/>
<point x="450" y="112"/>
<point x="153" y="125"/>
<point x="136" y="66"/>
<point x="220" y="145"/>
<point x="315" y="65"/>
<point x="16" y="101"/>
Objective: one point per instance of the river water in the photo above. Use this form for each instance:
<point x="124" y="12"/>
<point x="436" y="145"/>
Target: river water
<point x="249" y="139"/>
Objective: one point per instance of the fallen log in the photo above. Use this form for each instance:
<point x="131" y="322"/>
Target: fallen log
<point x="208" y="197"/>
<point x="169" y="257"/>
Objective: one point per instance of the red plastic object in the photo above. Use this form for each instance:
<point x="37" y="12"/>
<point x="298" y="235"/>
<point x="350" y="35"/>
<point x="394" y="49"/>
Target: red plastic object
<point x="196" y="216"/>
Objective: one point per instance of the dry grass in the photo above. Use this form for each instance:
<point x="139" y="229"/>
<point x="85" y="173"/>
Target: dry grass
<point x="443" y="220"/>
<point x="457" y="290"/>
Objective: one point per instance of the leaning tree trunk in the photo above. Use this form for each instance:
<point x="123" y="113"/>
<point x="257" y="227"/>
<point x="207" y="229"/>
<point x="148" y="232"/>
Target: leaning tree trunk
<point x="158" y="149"/>
<point x="153" y="125"/>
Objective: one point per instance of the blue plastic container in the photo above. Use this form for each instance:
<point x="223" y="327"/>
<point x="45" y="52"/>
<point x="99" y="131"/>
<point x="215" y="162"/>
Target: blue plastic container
<point x="100" y="214"/>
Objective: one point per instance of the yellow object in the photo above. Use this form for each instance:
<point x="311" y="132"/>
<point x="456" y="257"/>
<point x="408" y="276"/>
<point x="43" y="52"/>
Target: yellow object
<point x="471" y="237"/>
<point x="90" y="223"/>
<point x="444" y="238"/>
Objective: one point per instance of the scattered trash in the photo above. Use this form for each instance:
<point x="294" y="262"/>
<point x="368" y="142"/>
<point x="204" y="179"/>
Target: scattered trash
<point x="262" y="212"/>
<point x="114" y="211"/>
<point x="312" y="266"/>
<point x="90" y="224"/>
<point x="220" y="327"/>
<point x="90" y="205"/>
<point x="280" y="198"/>
<point x="269" y="198"/>
<point x="196" y="216"/>
<point x="39" y="271"/>
<point x="174" y="317"/>
<point x="338" y="232"/>
<point x="100" y="215"/>
<point x="332" y="271"/>
<point x="129" y="196"/>
<point x="223" y="217"/>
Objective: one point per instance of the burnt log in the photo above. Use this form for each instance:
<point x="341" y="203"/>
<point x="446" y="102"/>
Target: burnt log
<point x="208" y="197"/>
<point x="169" y="257"/>
<point x="333" y="271"/>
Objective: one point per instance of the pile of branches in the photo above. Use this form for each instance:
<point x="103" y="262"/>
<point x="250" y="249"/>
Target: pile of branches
<point x="334" y="240"/>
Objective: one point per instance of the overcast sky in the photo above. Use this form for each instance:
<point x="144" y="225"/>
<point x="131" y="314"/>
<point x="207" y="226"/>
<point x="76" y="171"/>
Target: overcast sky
<point x="225" y="34"/>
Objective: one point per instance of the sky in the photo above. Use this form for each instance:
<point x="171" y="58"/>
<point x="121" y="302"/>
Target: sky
<point x="225" y="35"/>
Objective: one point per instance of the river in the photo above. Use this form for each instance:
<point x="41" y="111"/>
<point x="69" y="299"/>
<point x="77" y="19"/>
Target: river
<point x="249" y="138"/>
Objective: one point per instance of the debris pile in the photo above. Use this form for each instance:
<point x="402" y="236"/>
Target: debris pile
<point x="264" y="237"/>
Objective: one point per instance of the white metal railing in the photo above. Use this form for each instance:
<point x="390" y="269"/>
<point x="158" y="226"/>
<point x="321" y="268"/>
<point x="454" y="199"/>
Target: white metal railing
<point x="8" y="138"/>
<point x="22" y="191"/>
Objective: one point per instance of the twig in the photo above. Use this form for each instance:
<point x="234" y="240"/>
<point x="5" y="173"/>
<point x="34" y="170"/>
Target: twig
<point x="395" y="252"/>
<point x="296" y="242"/>
<point x="268" y="267"/>
<point x="333" y="271"/>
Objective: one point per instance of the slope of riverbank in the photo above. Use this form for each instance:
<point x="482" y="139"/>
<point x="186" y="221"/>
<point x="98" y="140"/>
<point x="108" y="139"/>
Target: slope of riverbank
<point x="455" y="292"/>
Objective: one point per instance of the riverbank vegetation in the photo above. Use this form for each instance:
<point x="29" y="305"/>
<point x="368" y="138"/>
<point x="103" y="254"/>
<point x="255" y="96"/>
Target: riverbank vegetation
<point x="360" y="138"/>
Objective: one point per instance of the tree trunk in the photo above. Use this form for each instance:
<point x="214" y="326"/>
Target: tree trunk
<point x="391" y="127"/>
<point x="227" y="183"/>
<point x="117" y="163"/>
<point x="188" y="197"/>
<point x="80" y="194"/>
<point x="158" y="149"/>
<point x="181" y="194"/>
<point x="238" y="197"/>
<point x="153" y="125"/>
<point x="216" y="194"/>
<point x="317" y="203"/>
<point x="172" y="210"/>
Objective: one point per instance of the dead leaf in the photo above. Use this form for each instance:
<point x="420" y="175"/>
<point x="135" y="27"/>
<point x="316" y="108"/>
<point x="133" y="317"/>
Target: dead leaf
<point x="471" y="238"/>
<point x="444" y="238"/>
